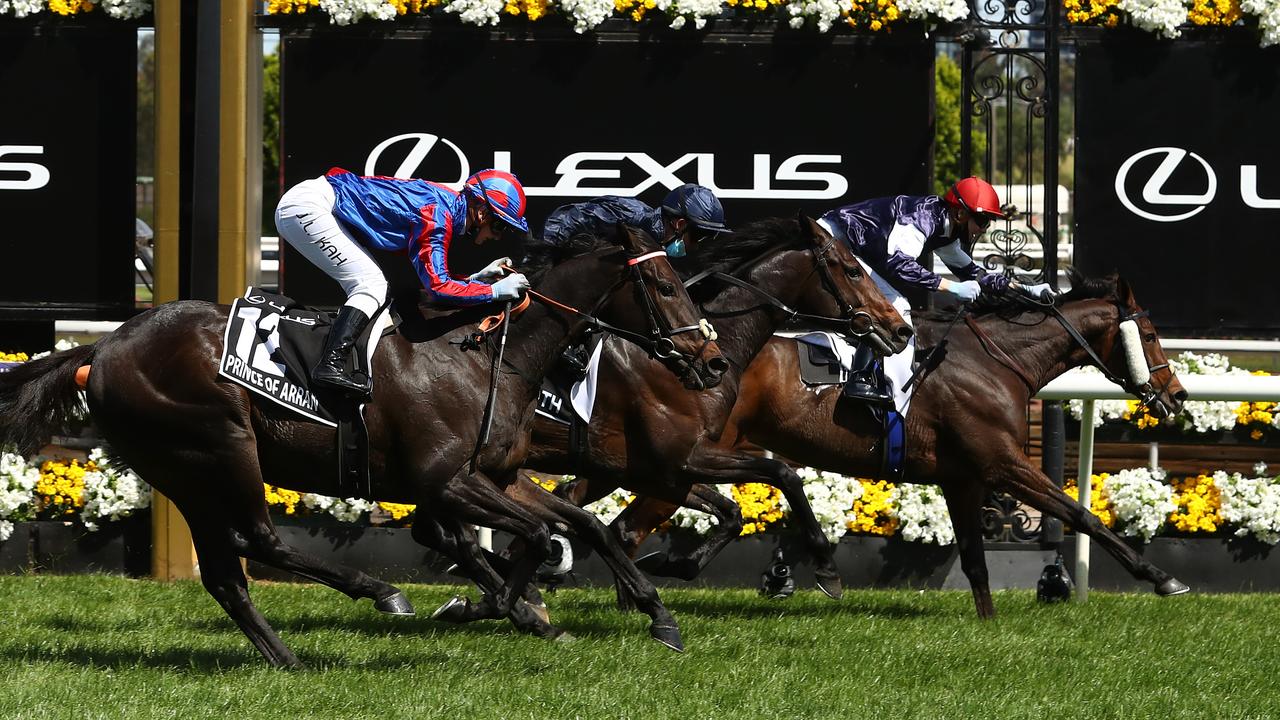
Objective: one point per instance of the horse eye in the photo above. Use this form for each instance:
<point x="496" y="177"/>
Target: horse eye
<point x="1151" y="337"/>
<point x="853" y="272"/>
<point x="667" y="289"/>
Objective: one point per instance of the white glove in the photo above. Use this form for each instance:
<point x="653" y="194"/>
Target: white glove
<point x="1039" y="291"/>
<point x="966" y="291"/>
<point x="510" y="287"/>
<point x="491" y="271"/>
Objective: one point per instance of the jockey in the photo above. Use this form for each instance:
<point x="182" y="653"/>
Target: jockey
<point x="890" y="234"/>
<point x="689" y="214"/>
<point x="331" y="220"/>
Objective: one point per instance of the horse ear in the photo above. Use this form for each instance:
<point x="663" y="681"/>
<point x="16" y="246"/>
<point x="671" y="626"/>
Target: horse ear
<point x="630" y="238"/>
<point x="1123" y="292"/>
<point x="810" y="227"/>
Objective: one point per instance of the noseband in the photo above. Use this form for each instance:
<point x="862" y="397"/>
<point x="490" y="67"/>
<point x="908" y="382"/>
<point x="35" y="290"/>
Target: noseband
<point x="1146" y="393"/>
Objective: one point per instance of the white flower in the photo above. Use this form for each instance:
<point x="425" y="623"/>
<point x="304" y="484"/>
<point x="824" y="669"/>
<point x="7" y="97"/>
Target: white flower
<point x="949" y="10"/>
<point x="823" y="12"/>
<point x="1268" y="12"/>
<point x="922" y="514"/>
<point x="17" y="490"/>
<point x="1161" y="17"/>
<point x="21" y="8"/>
<point x="608" y="507"/>
<point x="477" y="12"/>
<point x="1142" y="501"/>
<point x="126" y="9"/>
<point x="1260" y="469"/>
<point x="349" y="510"/>
<point x="345" y="12"/>
<point x="587" y="14"/>
<point x="1253" y="504"/>
<point x="831" y="496"/>
<point x="696" y="10"/>
<point x="111" y="492"/>
<point x="6" y="529"/>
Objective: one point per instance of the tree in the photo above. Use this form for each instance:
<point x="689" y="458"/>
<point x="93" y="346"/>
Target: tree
<point x="270" y="139"/>
<point x="946" y="148"/>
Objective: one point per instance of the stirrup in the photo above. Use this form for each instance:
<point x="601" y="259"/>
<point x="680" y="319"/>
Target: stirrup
<point x="327" y="376"/>
<point x="858" y="390"/>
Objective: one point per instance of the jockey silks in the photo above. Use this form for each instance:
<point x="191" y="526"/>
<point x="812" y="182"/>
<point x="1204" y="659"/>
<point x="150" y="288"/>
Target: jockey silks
<point x="599" y="217"/>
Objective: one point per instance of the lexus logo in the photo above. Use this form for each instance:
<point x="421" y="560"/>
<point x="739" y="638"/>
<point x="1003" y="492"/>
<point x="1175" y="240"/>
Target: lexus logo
<point x="1155" y="199"/>
<point x="1153" y="191"/>
<point x="601" y="167"/>
<point x="35" y="175"/>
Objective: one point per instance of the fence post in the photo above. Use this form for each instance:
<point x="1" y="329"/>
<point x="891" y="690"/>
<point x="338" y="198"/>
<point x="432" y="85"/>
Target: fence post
<point x="1084" y="480"/>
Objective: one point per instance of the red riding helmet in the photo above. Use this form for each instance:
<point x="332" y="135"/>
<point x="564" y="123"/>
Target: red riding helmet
<point x="975" y="195"/>
<point x="503" y="193"/>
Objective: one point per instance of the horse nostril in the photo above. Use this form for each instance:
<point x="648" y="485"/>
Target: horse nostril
<point x="717" y="365"/>
<point x="1180" y="396"/>
<point x="905" y="332"/>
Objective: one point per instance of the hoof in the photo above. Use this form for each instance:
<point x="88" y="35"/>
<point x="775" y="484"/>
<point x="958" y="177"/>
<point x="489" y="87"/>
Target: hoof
<point x="668" y="635"/>
<point x="831" y="586"/>
<point x="652" y="562"/>
<point x="540" y="611"/>
<point x="396" y="604"/>
<point x="453" y="611"/>
<point x="1172" y="586"/>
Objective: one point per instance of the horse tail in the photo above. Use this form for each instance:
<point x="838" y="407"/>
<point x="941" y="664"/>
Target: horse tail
<point x="41" y="397"/>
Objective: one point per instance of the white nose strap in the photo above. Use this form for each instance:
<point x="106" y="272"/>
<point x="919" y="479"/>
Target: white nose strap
<point x="1131" y="340"/>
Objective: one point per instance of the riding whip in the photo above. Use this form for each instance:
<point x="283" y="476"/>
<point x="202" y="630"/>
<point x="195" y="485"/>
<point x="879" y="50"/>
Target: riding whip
<point x="495" y="372"/>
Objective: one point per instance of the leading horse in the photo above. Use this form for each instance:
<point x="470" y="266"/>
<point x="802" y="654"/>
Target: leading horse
<point x="208" y="445"/>
<point x="966" y="429"/>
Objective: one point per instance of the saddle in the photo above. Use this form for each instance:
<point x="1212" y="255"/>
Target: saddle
<point x="271" y="344"/>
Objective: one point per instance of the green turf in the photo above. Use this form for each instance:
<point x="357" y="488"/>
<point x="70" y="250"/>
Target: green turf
<point x="90" y="647"/>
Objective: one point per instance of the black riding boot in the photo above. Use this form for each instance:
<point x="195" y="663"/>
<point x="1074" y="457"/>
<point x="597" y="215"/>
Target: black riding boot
<point x="332" y="371"/>
<point x="863" y="383"/>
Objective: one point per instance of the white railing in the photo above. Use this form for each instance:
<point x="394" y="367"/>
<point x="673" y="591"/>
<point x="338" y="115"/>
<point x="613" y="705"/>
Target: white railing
<point x="1091" y="387"/>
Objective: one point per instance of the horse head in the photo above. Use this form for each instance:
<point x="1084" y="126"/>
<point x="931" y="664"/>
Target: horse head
<point x="1137" y="357"/>
<point x="851" y="293"/>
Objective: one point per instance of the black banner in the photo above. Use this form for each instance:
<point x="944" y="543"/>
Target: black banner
<point x="1178" y="180"/>
<point x="67" y="171"/>
<point x="773" y="126"/>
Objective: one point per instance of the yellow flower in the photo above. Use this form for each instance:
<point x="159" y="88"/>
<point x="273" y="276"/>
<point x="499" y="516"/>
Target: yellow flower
<point x="286" y="499"/>
<point x="1198" y="504"/>
<point x="13" y="357"/>
<point x="761" y="506"/>
<point x="60" y="489"/>
<point x="397" y="511"/>
<point x="1100" y="502"/>
<point x="548" y="484"/>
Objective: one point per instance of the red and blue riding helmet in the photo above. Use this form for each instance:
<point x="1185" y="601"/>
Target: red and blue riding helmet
<point x="503" y="193"/>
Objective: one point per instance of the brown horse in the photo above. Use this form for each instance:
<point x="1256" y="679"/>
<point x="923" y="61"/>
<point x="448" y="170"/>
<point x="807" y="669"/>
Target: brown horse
<point x="966" y="428"/>
<point x="648" y="432"/>
<point x="208" y="445"/>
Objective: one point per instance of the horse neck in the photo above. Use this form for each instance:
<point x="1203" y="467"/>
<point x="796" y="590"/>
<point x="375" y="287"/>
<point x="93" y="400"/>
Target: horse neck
<point x="1047" y="350"/>
<point x="543" y="333"/>
<point x="742" y="335"/>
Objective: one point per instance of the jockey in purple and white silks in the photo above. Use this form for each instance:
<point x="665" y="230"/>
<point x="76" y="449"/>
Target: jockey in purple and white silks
<point x="890" y="234"/>
<point x="689" y="214"/>
<point x="332" y="219"/>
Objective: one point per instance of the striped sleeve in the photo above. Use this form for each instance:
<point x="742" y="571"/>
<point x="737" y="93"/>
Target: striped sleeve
<point x="432" y="261"/>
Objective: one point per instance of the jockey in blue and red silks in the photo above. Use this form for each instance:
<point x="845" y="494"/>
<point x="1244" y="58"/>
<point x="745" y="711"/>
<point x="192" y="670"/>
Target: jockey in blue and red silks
<point x="330" y="220"/>
<point x="890" y="234"/>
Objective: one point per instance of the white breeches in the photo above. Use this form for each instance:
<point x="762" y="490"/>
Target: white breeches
<point x="898" y="367"/>
<point x="305" y="219"/>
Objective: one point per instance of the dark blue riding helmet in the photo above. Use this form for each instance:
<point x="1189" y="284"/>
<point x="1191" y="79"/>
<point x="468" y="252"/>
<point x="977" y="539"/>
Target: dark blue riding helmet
<point x="698" y="205"/>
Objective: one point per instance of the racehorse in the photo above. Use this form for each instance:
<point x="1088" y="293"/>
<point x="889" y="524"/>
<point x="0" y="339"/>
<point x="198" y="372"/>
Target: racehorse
<point x="154" y="394"/>
<point x="648" y="432"/>
<point x="966" y="429"/>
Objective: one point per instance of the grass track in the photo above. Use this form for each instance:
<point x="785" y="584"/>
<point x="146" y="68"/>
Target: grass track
<point x="104" y="647"/>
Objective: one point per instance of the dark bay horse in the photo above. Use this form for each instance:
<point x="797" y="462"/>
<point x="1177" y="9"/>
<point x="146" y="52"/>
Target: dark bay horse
<point x="209" y="445"/>
<point x="648" y="432"/>
<point x="966" y="427"/>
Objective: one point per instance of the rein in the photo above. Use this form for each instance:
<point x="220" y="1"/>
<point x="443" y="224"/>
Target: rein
<point x="853" y="314"/>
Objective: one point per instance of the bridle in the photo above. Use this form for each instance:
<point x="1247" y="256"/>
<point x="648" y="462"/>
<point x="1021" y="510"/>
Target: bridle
<point x="850" y="314"/>
<point x="1146" y="392"/>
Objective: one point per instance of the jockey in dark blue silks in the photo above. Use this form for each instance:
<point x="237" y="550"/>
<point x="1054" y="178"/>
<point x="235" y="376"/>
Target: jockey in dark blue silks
<point x="331" y="220"/>
<point x="890" y="234"/>
<point x="689" y="214"/>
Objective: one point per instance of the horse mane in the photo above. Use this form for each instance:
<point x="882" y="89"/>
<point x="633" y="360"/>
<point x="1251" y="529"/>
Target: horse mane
<point x="541" y="255"/>
<point x="729" y="250"/>
<point x="1011" y="304"/>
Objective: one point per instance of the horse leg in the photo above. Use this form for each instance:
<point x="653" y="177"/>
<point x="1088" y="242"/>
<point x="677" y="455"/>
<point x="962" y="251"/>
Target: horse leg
<point x="475" y="499"/>
<point x="1027" y="484"/>
<point x="223" y="577"/>
<point x="965" y="506"/>
<point x="709" y="464"/>
<point x="458" y="543"/>
<point x="630" y="582"/>
<point x="651" y="512"/>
